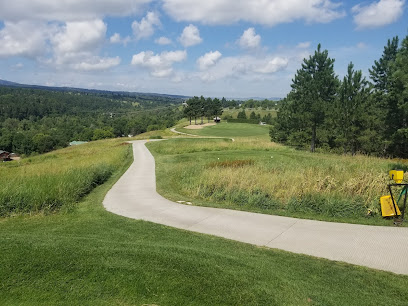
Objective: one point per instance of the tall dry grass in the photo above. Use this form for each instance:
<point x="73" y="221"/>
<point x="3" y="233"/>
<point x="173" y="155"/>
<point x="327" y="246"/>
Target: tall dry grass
<point x="269" y="176"/>
<point x="58" y="179"/>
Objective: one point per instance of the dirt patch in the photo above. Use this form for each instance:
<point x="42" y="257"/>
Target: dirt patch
<point x="198" y="126"/>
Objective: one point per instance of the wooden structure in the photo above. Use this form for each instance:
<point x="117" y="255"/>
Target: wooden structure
<point x="4" y="155"/>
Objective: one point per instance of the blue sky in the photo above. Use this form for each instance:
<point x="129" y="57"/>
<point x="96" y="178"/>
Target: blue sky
<point x="231" y="48"/>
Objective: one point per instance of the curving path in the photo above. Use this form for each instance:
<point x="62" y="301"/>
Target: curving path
<point x="185" y="134"/>
<point x="135" y="196"/>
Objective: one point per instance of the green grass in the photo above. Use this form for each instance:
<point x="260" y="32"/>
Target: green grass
<point x="230" y="130"/>
<point x="58" y="179"/>
<point x="89" y="256"/>
<point x="256" y="175"/>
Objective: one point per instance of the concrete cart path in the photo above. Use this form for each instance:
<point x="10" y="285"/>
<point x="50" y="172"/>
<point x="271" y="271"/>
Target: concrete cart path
<point x="135" y="196"/>
<point x="198" y="136"/>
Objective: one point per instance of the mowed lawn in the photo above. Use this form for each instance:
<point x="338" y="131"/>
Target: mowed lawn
<point x="224" y="129"/>
<point x="91" y="257"/>
<point x="85" y="255"/>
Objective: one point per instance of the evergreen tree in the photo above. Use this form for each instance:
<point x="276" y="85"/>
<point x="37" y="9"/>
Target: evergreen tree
<point x="382" y="69"/>
<point x="351" y="109"/>
<point x="314" y="89"/>
<point x="242" y="115"/>
<point x="399" y="96"/>
<point x="208" y="108"/>
<point x="217" y="107"/>
<point x="202" y="108"/>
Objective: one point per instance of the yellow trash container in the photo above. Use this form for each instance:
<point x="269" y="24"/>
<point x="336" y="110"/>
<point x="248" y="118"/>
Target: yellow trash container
<point x="387" y="207"/>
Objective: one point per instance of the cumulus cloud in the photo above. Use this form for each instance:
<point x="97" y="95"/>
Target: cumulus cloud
<point x="244" y="66"/>
<point x="24" y="38"/>
<point x="163" y="41"/>
<point x="249" y="39"/>
<point x="75" y="43"/>
<point x="145" y="28"/>
<point x="209" y="59"/>
<point x="267" y="12"/>
<point x="117" y="39"/>
<point x="80" y="36"/>
<point x="190" y="36"/>
<point x="273" y="65"/>
<point x="159" y="65"/>
<point x="67" y="10"/>
<point x="378" y="14"/>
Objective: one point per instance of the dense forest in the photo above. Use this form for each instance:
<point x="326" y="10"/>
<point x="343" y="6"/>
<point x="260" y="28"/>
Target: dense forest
<point x="352" y="115"/>
<point x="38" y="120"/>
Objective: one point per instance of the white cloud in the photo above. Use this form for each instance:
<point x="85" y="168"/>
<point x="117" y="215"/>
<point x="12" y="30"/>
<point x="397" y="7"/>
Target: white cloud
<point x="76" y="43"/>
<point x="303" y="45"/>
<point x="249" y="39"/>
<point x="67" y="10"/>
<point x="160" y="65"/>
<point x="79" y="36"/>
<point x="246" y="66"/>
<point x="378" y="14"/>
<point x="190" y="36"/>
<point x="145" y="28"/>
<point x="163" y="41"/>
<point x="209" y="59"/>
<point x="25" y="38"/>
<point x="97" y="63"/>
<point x="267" y="12"/>
<point x="273" y="65"/>
<point x="117" y="39"/>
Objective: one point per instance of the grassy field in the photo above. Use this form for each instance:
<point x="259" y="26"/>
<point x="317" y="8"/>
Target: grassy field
<point x="254" y="174"/>
<point x="58" y="179"/>
<point x="231" y="130"/>
<point x="88" y="256"/>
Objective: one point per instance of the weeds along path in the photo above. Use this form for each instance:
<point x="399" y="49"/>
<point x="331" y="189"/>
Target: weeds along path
<point x="135" y="196"/>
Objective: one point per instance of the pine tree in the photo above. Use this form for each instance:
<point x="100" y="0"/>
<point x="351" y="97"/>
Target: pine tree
<point x="313" y="91"/>
<point x="399" y="96"/>
<point x="383" y="69"/>
<point x="351" y="108"/>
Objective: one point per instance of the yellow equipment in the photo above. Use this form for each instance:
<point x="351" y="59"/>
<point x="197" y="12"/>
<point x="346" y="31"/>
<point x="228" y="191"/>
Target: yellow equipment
<point x="397" y="176"/>
<point x="387" y="207"/>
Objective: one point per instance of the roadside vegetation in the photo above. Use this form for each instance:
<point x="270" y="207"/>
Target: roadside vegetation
<point x="59" y="179"/>
<point x="88" y="254"/>
<point x="256" y="175"/>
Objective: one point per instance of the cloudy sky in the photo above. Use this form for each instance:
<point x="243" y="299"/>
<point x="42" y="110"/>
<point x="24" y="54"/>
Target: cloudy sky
<point x="232" y="48"/>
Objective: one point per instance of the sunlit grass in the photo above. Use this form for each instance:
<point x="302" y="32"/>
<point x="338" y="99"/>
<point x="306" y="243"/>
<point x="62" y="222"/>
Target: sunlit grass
<point x="278" y="180"/>
<point x="58" y="179"/>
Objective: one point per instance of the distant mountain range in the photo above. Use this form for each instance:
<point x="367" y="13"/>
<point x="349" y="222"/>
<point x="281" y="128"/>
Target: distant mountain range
<point x="97" y="91"/>
<point x="84" y="90"/>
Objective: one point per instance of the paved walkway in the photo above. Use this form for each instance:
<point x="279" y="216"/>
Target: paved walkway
<point x="135" y="196"/>
<point x="185" y="134"/>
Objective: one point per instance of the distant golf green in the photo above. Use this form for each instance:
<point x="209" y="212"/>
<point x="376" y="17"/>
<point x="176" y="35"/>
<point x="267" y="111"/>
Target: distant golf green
<point x="230" y="130"/>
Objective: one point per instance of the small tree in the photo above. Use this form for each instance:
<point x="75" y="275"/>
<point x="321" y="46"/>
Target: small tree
<point x="242" y="115"/>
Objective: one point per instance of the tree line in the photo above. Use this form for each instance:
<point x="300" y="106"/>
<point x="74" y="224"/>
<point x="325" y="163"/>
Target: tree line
<point x="196" y="107"/>
<point x="352" y="115"/>
<point x="38" y="121"/>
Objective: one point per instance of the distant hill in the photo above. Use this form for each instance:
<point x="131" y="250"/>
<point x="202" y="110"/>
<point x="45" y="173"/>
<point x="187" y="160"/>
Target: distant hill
<point x="91" y="91"/>
<point x="7" y="83"/>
